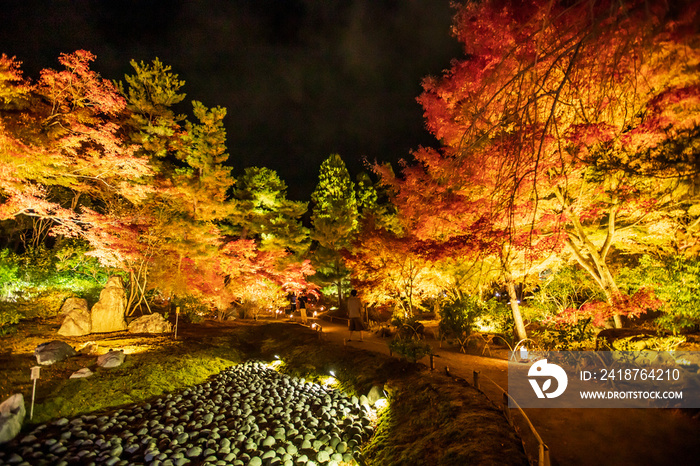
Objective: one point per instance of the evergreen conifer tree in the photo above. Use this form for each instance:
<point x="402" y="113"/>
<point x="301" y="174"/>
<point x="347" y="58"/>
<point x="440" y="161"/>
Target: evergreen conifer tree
<point x="335" y="220"/>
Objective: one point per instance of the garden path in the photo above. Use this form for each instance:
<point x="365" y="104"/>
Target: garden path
<point x="576" y="437"/>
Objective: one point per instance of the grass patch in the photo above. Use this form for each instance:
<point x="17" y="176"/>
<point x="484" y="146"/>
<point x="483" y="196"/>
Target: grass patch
<point x="435" y="420"/>
<point x="142" y="376"/>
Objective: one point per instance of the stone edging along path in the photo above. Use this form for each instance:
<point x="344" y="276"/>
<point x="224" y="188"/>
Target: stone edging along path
<point x="278" y="420"/>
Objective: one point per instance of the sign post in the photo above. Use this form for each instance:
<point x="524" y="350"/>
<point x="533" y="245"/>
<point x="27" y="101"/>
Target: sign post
<point x="34" y="377"/>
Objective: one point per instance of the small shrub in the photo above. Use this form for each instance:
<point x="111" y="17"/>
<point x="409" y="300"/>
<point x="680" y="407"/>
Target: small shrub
<point x="570" y="287"/>
<point x="567" y="337"/>
<point x="498" y="319"/>
<point x="458" y="317"/>
<point x="636" y="343"/>
<point x="676" y="282"/>
<point x="9" y="317"/>
<point x="410" y="348"/>
<point x="9" y="274"/>
<point x="192" y="309"/>
<point x="408" y="327"/>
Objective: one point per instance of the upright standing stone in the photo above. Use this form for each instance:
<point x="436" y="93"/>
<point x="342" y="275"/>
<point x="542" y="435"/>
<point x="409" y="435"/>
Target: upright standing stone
<point x="108" y="312"/>
<point x="77" y="321"/>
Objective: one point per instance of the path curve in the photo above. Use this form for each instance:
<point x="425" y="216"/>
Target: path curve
<point x="576" y="437"/>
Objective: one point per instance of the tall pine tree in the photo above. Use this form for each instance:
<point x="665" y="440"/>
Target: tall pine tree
<point x="335" y="220"/>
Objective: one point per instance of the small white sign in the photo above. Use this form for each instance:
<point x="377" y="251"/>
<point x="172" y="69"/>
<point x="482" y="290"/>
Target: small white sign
<point x="35" y="372"/>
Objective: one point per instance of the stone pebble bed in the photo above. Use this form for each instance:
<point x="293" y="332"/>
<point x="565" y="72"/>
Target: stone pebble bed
<point x="248" y="414"/>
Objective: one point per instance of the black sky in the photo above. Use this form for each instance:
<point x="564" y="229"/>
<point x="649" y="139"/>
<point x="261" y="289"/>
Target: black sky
<point x="301" y="79"/>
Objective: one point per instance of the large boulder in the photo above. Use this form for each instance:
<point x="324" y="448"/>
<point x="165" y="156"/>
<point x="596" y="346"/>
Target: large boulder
<point x="152" y="323"/>
<point x="53" y="351"/>
<point x="111" y="359"/>
<point x="12" y="413"/>
<point x="77" y="320"/>
<point x="108" y="312"/>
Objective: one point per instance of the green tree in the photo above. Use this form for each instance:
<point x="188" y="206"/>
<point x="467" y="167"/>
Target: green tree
<point x="188" y="213"/>
<point x="151" y="94"/>
<point x="335" y="220"/>
<point x="265" y="213"/>
<point x="367" y="197"/>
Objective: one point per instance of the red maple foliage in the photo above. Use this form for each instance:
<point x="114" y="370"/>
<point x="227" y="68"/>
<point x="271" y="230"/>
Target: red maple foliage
<point x="600" y="312"/>
<point x="552" y="127"/>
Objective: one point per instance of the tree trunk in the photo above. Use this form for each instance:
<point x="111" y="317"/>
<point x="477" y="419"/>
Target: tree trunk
<point x="600" y="272"/>
<point x="339" y="284"/>
<point x="594" y="259"/>
<point x="517" y="317"/>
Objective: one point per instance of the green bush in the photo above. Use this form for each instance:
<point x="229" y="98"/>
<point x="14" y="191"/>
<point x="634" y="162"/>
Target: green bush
<point x="410" y="348"/>
<point x="409" y="327"/>
<point x="567" y="337"/>
<point x="192" y="309"/>
<point x="9" y="275"/>
<point x="71" y="259"/>
<point x="9" y="317"/>
<point x="676" y="281"/>
<point x="567" y="288"/>
<point x="458" y="316"/>
<point x="637" y="343"/>
<point x="35" y="284"/>
<point x="498" y="318"/>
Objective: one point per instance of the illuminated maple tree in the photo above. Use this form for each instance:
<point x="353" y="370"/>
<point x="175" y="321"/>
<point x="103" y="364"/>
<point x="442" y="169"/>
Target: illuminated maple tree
<point x="392" y="270"/>
<point x="554" y="129"/>
<point x="147" y="189"/>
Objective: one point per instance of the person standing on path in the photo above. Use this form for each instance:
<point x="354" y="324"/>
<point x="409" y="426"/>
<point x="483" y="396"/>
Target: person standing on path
<point x="354" y="314"/>
<point x="301" y="307"/>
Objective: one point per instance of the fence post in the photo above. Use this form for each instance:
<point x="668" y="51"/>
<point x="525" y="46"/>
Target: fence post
<point x="476" y="380"/>
<point x="432" y="363"/>
<point x="544" y="455"/>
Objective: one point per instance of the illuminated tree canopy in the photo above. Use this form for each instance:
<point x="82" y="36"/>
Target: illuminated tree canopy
<point x="565" y="125"/>
<point x="147" y="189"/>
<point x="567" y="137"/>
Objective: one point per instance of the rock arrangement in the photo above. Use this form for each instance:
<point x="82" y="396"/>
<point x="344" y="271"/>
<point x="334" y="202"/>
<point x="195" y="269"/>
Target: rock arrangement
<point x="107" y="314"/>
<point x="77" y="320"/>
<point x="247" y="415"/>
<point x="151" y="323"/>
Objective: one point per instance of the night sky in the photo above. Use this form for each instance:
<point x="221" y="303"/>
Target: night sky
<point x="301" y="79"/>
